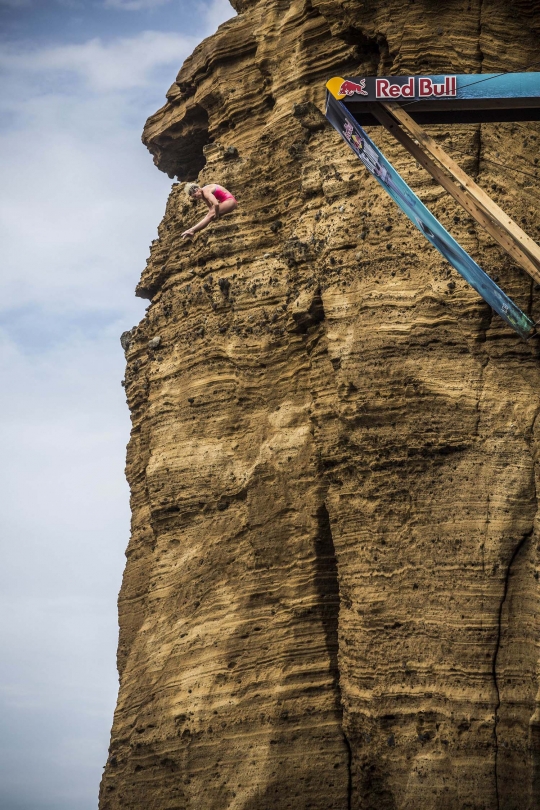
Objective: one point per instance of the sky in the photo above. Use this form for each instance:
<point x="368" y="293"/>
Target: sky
<point x="80" y="201"/>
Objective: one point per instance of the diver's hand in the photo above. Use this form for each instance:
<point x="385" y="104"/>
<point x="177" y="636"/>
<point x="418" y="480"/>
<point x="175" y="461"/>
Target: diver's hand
<point x="188" y="234"/>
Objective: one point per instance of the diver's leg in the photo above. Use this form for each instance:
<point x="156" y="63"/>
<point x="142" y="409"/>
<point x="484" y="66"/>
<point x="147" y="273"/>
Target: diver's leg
<point x="227" y="206"/>
<point x="224" y="208"/>
<point x="200" y="225"/>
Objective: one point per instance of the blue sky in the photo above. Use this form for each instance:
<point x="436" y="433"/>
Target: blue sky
<point x="80" y="201"/>
<point x="77" y="21"/>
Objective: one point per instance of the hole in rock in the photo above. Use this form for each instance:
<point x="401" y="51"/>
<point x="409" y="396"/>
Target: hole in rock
<point x="179" y="152"/>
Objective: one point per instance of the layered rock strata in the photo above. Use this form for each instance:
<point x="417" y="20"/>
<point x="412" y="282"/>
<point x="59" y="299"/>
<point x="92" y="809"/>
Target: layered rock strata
<point x="331" y="597"/>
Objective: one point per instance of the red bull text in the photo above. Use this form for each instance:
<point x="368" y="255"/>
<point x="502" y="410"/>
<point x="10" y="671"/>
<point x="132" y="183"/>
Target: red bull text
<point x="425" y="88"/>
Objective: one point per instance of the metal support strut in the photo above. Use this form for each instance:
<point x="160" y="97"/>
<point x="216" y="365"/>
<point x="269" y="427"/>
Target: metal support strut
<point x="453" y="179"/>
<point x="463" y="189"/>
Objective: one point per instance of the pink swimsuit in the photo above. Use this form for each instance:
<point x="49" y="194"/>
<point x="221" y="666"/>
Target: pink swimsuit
<point x="222" y="195"/>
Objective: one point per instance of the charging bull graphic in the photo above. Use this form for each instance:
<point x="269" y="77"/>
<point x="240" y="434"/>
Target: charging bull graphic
<point x="349" y="88"/>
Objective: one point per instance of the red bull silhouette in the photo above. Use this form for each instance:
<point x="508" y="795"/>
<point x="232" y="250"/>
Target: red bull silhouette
<point x="349" y="88"/>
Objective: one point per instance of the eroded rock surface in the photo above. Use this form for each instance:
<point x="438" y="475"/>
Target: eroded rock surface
<point x="331" y="598"/>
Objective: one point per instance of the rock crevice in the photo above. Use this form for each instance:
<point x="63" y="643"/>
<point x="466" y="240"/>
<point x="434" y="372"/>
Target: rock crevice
<point x="520" y="546"/>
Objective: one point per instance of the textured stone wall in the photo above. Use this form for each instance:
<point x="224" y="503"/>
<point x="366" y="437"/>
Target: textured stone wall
<point x="331" y="597"/>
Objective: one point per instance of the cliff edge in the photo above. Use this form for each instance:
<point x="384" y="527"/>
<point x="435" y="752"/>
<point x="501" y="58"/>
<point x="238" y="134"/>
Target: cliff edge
<point x="331" y="597"/>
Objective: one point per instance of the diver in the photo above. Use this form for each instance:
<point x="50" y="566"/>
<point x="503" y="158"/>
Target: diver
<point x="218" y="199"/>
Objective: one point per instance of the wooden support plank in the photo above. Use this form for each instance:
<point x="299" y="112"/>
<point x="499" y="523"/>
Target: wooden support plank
<point x="483" y="199"/>
<point x="461" y="195"/>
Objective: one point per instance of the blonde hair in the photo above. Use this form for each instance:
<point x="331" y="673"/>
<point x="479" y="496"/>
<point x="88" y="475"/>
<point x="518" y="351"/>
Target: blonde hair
<point x="190" y="189"/>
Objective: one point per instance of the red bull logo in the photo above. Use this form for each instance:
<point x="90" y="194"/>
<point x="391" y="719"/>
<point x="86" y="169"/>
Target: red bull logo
<point x="348" y="129"/>
<point x="393" y="87"/>
<point x="353" y="137"/>
<point x="349" y="88"/>
<point x="386" y="88"/>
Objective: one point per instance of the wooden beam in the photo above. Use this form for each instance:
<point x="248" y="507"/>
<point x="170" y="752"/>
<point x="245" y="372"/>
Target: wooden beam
<point x="461" y="195"/>
<point x="491" y="208"/>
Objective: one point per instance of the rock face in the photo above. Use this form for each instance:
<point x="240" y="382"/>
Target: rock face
<point x="331" y="598"/>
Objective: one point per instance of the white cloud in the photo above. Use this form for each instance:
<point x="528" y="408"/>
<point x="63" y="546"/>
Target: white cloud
<point x="80" y="198"/>
<point x="108" y="66"/>
<point x="218" y="12"/>
<point x="133" y="5"/>
<point x="122" y="64"/>
<point x="80" y="201"/>
<point x="211" y="13"/>
<point x="64" y="527"/>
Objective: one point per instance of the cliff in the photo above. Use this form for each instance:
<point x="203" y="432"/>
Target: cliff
<point x="331" y="597"/>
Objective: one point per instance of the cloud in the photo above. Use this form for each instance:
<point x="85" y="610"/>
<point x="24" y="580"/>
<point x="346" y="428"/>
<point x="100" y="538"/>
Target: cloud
<point x="103" y="66"/>
<point x="16" y="3"/>
<point x="80" y="202"/>
<point x="80" y="198"/>
<point x="20" y="4"/>
<point x="133" y="5"/>
<point x="63" y="430"/>
<point x="218" y="12"/>
<point x="122" y="64"/>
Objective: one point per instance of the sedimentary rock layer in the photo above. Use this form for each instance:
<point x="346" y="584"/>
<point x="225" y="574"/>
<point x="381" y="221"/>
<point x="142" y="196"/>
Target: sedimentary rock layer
<point x="331" y="596"/>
